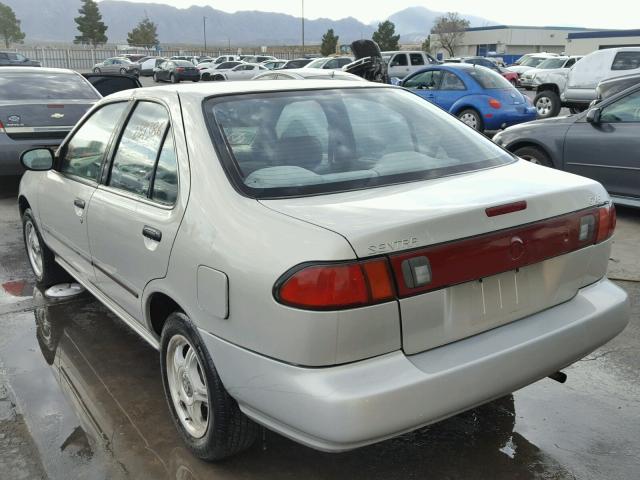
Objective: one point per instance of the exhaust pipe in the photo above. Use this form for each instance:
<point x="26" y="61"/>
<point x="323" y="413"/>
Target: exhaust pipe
<point x="559" y="377"/>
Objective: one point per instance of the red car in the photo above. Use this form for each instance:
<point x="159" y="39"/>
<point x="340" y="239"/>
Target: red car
<point x="511" y="76"/>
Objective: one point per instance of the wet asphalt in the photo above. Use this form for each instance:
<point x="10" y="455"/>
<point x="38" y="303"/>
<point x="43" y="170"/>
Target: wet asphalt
<point x="89" y="392"/>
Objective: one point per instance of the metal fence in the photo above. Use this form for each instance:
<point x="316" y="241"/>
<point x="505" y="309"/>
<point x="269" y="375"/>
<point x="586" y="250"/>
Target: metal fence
<point x="83" y="59"/>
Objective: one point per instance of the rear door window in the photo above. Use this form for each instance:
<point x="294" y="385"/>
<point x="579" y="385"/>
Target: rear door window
<point x="164" y="188"/>
<point x="400" y="60"/>
<point x="138" y="149"/>
<point x="416" y="59"/>
<point x="83" y="154"/>
<point x="626" y="61"/>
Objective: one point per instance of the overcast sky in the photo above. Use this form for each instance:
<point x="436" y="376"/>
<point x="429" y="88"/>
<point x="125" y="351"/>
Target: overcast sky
<point x="584" y="13"/>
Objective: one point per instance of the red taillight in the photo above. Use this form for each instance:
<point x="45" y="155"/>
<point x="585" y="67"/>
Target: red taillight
<point x="1" y="128"/>
<point x="606" y="222"/>
<point x="495" y="103"/>
<point x="336" y="286"/>
<point x="179" y="69"/>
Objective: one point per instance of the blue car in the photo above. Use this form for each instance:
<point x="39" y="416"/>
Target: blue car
<point x="476" y="95"/>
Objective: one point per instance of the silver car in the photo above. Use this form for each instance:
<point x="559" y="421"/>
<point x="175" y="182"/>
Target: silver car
<point x="338" y="261"/>
<point x="121" y="65"/>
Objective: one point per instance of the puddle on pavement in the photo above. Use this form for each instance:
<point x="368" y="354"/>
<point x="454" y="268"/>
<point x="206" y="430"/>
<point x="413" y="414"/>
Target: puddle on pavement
<point x="93" y="398"/>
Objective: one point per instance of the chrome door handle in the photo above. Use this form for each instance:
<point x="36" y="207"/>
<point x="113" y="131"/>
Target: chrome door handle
<point x="152" y="233"/>
<point x="78" y="202"/>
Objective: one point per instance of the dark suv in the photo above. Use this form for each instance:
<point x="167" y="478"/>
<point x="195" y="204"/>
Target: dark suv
<point x="10" y="59"/>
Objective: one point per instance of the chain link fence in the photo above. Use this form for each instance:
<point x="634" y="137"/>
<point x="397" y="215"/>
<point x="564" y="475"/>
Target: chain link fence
<point x="83" y="59"/>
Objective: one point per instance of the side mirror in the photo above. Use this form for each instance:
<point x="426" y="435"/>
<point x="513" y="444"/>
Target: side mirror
<point x="593" y="116"/>
<point x="397" y="82"/>
<point x="37" y="159"/>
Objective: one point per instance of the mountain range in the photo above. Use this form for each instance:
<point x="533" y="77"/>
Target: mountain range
<point x="52" y="21"/>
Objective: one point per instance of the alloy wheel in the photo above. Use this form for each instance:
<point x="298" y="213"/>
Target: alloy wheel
<point x="188" y="386"/>
<point x="544" y="106"/>
<point x="469" y="119"/>
<point x="34" y="250"/>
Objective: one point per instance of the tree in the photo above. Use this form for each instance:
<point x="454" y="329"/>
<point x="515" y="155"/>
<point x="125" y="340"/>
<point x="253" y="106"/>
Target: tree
<point x="385" y="37"/>
<point x="450" y="30"/>
<point x="145" y="34"/>
<point x="90" y="25"/>
<point x="426" y="45"/>
<point x="9" y="26"/>
<point x="329" y="43"/>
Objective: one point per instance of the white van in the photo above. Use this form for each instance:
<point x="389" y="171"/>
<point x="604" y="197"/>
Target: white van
<point x="585" y="75"/>
<point x="402" y="63"/>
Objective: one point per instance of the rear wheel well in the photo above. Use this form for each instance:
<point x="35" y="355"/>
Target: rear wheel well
<point x="548" y="86"/>
<point x="23" y="204"/>
<point x="160" y="307"/>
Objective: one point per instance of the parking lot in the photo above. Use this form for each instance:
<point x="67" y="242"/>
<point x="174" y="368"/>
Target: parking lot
<point x="81" y="397"/>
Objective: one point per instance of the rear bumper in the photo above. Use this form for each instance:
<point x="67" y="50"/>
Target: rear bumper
<point x="10" y="151"/>
<point x="349" y="406"/>
<point x="508" y="118"/>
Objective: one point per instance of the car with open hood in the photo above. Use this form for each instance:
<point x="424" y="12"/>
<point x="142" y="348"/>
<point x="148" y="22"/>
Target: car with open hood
<point x="340" y="262"/>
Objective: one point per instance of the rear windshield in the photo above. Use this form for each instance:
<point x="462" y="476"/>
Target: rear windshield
<point x="552" y="63"/>
<point x="39" y="86"/>
<point x="488" y="78"/>
<point x="533" y="61"/>
<point x="279" y="144"/>
<point x="182" y="63"/>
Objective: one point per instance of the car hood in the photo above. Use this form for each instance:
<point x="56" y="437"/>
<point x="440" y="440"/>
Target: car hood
<point x="520" y="69"/>
<point x="410" y="215"/>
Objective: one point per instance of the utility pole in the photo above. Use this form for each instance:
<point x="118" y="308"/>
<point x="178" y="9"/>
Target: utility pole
<point x="303" y="28"/>
<point x="204" y="32"/>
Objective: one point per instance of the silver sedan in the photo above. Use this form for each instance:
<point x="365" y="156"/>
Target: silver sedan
<point x="338" y="261"/>
<point x="120" y="65"/>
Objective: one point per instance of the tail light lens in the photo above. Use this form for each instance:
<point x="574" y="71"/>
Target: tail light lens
<point x="336" y="286"/>
<point x="2" y="128"/>
<point x="179" y="69"/>
<point x="495" y="103"/>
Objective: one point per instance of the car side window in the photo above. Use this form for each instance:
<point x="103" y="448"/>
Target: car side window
<point x="416" y="59"/>
<point x="570" y="63"/>
<point x="138" y="148"/>
<point x="4" y="56"/>
<point x="400" y="60"/>
<point x="165" y="179"/>
<point x="626" y="61"/>
<point x="83" y="154"/>
<point x="450" y="81"/>
<point x="424" y="81"/>
<point x="625" y="110"/>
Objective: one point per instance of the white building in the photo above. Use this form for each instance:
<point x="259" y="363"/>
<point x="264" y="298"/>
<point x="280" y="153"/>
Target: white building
<point x="581" y="43"/>
<point x="508" y="41"/>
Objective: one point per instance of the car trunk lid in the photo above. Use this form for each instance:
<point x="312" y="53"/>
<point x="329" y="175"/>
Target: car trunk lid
<point x="37" y="119"/>
<point x="394" y="220"/>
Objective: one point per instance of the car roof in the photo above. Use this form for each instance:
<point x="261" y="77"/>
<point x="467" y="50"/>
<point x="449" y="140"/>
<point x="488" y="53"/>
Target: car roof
<point x="313" y="72"/>
<point x="202" y="90"/>
<point x="40" y="70"/>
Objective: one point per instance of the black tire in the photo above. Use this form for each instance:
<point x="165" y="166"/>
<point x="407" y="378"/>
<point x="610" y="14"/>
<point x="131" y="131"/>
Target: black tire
<point x="51" y="273"/>
<point x="576" y="110"/>
<point x="206" y="77"/>
<point x="97" y="70"/>
<point x="196" y="80"/>
<point x="528" y="88"/>
<point x="547" y="104"/>
<point x="479" y="125"/>
<point x="218" y="77"/>
<point x="155" y="78"/>
<point x="229" y="431"/>
<point x="174" y="79"/>
<point x="534" y="155"/>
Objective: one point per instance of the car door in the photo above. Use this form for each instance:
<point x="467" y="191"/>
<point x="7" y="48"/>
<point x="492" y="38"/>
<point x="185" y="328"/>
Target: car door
<point x="609" y="150"/>
<point x="65" y="194"/>
<point x="399" y="65"/>
<point x="424" y="84"/>
<point x="450" y="89"/>
<point x="134" y="217"/>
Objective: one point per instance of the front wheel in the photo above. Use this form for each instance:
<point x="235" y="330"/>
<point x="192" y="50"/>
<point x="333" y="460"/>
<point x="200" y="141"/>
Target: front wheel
<point x="547" y="104"/>
<point x="207" y="417"/>
<point x="41" y="258"/>
<point x="471" y="118"/>
<point x="534" y="155"/>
